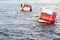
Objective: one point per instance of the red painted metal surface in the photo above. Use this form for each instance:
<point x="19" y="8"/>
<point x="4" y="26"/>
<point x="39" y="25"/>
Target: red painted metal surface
<point x="48" y="17"/>
<point x="27" y="6"/>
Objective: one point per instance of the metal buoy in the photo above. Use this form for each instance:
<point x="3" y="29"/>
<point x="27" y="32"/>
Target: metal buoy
<point x="25" y="7"/>
<point x="47" y="16"/>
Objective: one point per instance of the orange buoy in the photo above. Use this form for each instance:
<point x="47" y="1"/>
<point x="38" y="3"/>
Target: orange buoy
<point x="26" y="7"/>
<point x="47" y="16"/>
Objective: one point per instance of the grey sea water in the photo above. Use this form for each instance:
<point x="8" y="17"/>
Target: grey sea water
<point x="18" y="25"/>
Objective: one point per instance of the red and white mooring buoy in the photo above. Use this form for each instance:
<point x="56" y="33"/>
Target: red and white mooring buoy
<point x="25" y="7"/>
<point x="47" y="16"/>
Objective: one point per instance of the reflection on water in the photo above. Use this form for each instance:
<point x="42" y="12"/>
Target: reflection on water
<point x="17" y="25"/>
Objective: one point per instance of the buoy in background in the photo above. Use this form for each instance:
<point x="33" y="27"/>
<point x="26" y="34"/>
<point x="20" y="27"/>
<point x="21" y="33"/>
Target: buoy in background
<point x="47" y="16"/>
<point x="25" y="7"/>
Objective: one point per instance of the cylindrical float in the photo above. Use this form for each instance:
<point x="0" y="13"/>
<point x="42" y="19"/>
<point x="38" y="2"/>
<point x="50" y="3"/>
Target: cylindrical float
<point x="25" y="7"/>
<point x="47" y="16"/>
